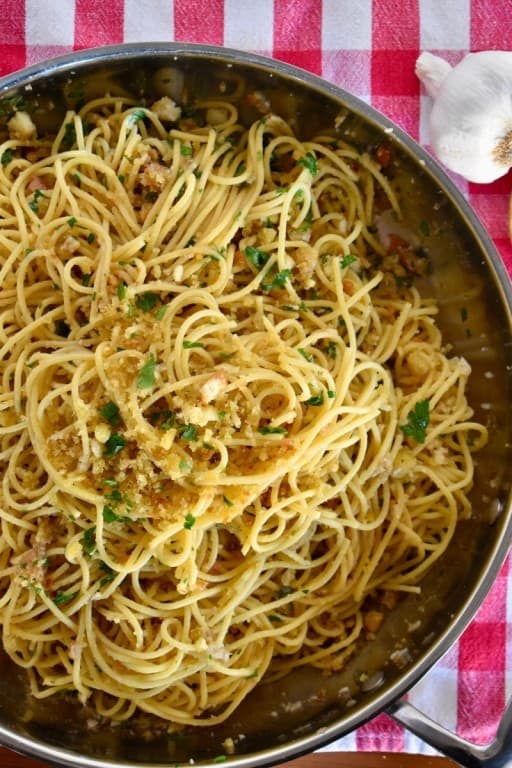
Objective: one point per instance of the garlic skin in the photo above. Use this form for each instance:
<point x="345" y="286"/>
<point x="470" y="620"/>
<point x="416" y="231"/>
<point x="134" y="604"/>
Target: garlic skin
<point x="471" y="120"/>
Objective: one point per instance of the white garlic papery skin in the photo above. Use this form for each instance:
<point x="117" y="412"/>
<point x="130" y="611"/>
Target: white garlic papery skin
<point x="471" y="120"/>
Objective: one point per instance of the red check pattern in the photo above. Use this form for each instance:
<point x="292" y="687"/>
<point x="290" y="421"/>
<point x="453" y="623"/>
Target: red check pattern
<point x="368" y="47"/>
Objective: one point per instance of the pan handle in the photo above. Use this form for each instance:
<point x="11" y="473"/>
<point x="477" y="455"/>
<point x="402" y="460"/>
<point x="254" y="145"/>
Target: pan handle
<point x="497" y="754"/>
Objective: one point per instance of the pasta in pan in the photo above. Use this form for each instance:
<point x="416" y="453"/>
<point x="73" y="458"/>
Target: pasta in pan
<point x="230" y="431"/>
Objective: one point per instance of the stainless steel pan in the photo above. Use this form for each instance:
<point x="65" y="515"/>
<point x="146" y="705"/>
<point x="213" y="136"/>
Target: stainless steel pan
<point x="306" y="711"/>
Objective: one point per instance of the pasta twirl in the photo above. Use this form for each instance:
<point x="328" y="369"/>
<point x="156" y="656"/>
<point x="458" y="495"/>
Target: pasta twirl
<point x="228" y="429"/>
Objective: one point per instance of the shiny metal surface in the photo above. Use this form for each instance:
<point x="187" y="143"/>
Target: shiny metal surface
<point x="466" y="268"/>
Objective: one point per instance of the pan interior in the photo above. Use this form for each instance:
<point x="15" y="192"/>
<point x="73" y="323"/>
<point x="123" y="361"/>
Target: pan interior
<point x="475" y="317"/>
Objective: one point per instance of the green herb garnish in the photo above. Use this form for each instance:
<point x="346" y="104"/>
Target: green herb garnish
<point x="278" y="280"/>
<point x="64" y="597"/>
<point x="347" y="260"/>
<point x="109" y="574"/>
<point x="6" y="157"/>
<point x="192" y="345"/>
<point x="110" y="412"/>
<point x="315" y="400"/>
<point x="417" y="421"/>
<point x="272" y="431"/>
<point x="88" y="541"/>
<point x="189" y="521"/>
<point x="146" y="377"/>
<point x="34" y="203"/>
<point x="188" y="432"/>
<point x="137" y="115"/>
<point x="306" y="355"/>
<point x="114" y="444"/>
<point x="256" y="256"/>
<point x="146" y="301"/>
<point x="309" y="162"/>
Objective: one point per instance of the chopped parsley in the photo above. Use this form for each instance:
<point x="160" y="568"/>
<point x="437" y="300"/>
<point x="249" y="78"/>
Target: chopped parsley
<point x="192" y="345"/>
<point x="272" y="430"/>
<point x="6" y="157"/>
<point x="121" y="291"/>
<point x="316" y="400"/>
<point x="69" y="137"/>
<point x="463" y="314"/>
<point x="110" y="412"/>
<point x="417" y="421"/>
<point x="88" y="541"/>
<point x="188" y="432"/>
<point x="64" y="597"/>
<point x="146" y="301"/>
<point x="72" y="221"/>
<point x="114" y="444"/>
<point x="227" y="501"/>
<point x="159" y="314"/>
<point x="86" y="279"/>
<point x="309" y="161"/>
<point x="91" y="237"/>
<point x="34" y="203"/>
<point x="347" y="260"/>
<point x="146" y="377"/>
<point x="109" y="574"/>
<point x="189" y="521"/>
<point x="306" y="355"/>
<point x="284" y="591"/>
<point x="186" y="150"/>
<point x="278" y="280"/>
<point x="109" y="516"/>
<point x="331" y="349"/>
<point x="256" y="256"/>
<point x="137" y="116"/>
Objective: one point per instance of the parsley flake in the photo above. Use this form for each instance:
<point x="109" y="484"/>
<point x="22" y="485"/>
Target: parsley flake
<point x="146" y="377"/>
<point x="417" y="421"/>
<point x="278" y="280"/>
<point x="64" y="597"/>
<point x="256" y="257"/>
<point x="192" y="345"/>
<point x="6" y="157"/>
<point x="309" y="161"/>
<point x="347" y="260"/>
<point x="272" y="431"/>
<point x="88" y="541"/>
<point x="146" y="301"/>
<point x="110" y="413"/>
<point x="189" y="521"/>
<point x="114" y="444"/>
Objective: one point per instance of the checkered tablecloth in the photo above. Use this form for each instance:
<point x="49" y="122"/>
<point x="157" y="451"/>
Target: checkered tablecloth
<point x="368" y="47"/>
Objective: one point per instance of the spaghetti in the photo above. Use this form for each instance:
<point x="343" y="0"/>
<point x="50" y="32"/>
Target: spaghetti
<point x="230" y="433"/>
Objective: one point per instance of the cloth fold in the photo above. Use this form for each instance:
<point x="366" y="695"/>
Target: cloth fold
<point x="368" y="47"/>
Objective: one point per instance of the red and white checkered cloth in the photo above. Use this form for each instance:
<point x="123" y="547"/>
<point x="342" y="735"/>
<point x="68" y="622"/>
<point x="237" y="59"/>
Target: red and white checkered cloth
<point x="368" y="47"/>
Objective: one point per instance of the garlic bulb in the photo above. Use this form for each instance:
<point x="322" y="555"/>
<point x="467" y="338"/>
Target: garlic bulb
<point x="471" y="120"/>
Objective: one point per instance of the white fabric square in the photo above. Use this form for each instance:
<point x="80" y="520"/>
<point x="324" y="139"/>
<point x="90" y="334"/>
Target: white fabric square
<point x="49" y="22"/>
<point x="148" y="22"/>
<point x="444" y="25"/>
<point x="249" y="26"/>
<point x="346" y="25"/>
